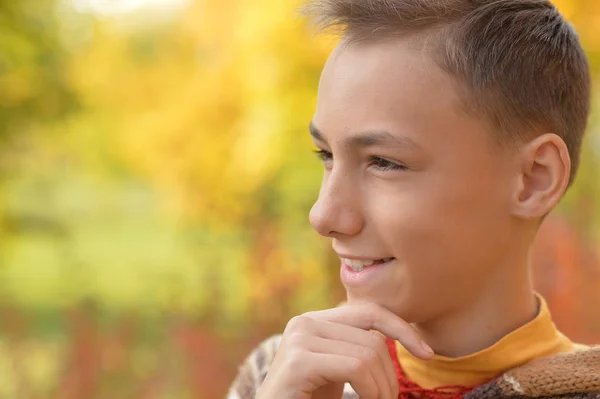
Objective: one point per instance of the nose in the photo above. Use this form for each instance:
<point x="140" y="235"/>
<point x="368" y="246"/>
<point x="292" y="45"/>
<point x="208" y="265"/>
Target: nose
<point x="337" y="210"/>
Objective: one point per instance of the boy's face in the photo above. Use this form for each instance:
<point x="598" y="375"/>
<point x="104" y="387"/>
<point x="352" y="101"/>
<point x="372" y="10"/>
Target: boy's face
<point x="409" y="176"/>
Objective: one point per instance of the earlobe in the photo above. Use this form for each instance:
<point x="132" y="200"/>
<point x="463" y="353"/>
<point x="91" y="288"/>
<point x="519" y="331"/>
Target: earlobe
<point x="543" y="176"/>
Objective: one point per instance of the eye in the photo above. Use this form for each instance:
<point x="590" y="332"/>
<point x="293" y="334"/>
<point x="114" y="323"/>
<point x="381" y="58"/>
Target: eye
<point x="385" y="165"/>
<point x="324" y="156"/>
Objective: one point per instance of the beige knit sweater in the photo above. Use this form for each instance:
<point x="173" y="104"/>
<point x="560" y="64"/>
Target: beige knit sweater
<point x="569" y="375"/>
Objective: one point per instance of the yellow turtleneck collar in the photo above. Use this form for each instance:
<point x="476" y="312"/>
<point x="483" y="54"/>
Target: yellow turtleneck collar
<point x="538" y="338"/>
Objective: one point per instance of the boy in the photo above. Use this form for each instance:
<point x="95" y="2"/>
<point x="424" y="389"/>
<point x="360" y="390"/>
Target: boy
<point x="448" y="129"/>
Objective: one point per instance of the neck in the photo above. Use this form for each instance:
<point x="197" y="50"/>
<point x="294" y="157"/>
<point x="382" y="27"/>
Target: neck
<point x="504" y="305"/>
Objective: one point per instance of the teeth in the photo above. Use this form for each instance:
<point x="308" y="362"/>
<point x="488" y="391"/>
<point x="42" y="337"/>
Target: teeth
<point x="358" y="265"/>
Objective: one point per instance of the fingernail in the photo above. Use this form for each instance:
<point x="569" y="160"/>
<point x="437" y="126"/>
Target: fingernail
<point x="427" y="348"/>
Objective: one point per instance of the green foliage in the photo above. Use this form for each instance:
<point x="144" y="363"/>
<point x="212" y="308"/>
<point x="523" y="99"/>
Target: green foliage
<point x="32" y="79"/>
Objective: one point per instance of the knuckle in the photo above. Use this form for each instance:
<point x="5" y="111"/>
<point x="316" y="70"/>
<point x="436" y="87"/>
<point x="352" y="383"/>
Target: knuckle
<point x="357" y="367"/>
<point x="297" y="339"/>
<point x="311" y="314"/>
<point x="297" y="323"/>
<point x="369" y="356"/>
<point x="378" y="341"/>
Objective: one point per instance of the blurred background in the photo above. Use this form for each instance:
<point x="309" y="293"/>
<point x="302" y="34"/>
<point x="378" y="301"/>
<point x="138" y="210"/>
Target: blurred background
<point x="155" y="180"/>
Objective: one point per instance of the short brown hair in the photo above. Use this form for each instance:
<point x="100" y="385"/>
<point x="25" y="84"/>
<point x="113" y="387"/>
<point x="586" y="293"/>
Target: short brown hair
<point x="519" y="63"/>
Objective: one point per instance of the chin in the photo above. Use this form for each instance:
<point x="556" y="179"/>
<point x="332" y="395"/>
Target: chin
<point x="398" y="304"/>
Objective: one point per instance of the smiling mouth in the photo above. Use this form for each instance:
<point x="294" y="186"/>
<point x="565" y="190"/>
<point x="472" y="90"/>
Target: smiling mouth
<point x="358" y="265"/>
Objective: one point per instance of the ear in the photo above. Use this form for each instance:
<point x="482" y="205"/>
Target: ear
<point x="543" y="176"/>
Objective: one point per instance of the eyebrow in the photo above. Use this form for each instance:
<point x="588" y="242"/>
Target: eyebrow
<point x="367" y="139"/>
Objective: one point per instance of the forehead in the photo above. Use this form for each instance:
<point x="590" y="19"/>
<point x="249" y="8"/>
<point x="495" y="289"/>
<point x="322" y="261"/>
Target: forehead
<point x="392" y="85"/>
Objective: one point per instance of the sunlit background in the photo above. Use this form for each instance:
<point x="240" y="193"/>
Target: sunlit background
<point x="155" y="180"/>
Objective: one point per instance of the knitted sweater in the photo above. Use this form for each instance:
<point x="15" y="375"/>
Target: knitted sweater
<point x="573" y="375"/>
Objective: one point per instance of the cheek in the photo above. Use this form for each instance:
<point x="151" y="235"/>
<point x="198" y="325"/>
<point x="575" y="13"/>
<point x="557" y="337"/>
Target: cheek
<point x="410" y="227"/>
<point x="443" y="227"/>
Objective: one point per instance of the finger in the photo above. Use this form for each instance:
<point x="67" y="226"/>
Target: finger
<point x="342" y="369"/>
<point x="366" y="354"/>
<point x="372" y="339"/>
<point x="370" y="316"/>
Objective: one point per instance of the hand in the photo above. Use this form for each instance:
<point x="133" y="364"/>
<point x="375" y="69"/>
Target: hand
<point x="320" y="351"/>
